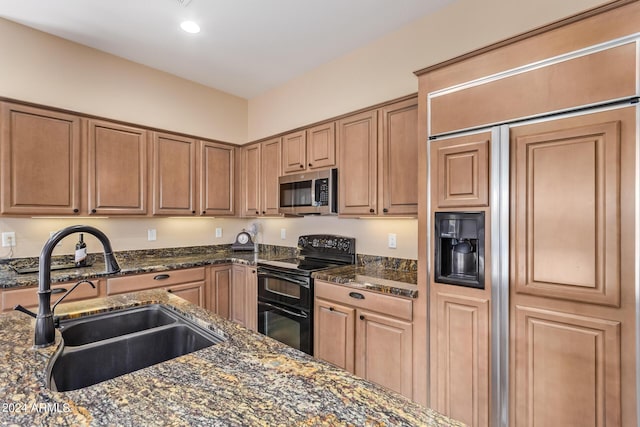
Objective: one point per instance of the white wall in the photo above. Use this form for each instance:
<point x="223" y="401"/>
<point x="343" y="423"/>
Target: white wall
<point x="44" y="69"/>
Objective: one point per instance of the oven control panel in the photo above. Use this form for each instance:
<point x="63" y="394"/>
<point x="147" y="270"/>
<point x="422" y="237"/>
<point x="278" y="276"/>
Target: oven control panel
<point x="327" y="243"/>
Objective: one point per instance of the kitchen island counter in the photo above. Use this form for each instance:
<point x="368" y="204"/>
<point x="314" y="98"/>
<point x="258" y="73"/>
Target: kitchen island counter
<point x="247" y="380"/>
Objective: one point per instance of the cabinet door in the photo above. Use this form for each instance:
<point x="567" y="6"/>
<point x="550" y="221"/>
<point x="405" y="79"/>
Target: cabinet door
<point x="251" y="180"/>
<point x="573" y="300"/>
<point x="244" y="297"/>
<point x="384" y="351"/>
<point x="117" y="169"/>
<point x="399" y="158"/>
<point x="270" y="173"/>
<point x="460" y="361"/>
<point x="294" y="152"/>
<point x="462" y="170"/>
<point x="174" y="175"/>
<point x="321" y="146"/>
<point x="192" y="292"/>
<point x="219" y="286"/>
<point x="357" y="146"/>
<point x="334" y="334"/>
<point x="28" y="297"/>
<point x="216" y="179"/>
<point x="40" y="161"/>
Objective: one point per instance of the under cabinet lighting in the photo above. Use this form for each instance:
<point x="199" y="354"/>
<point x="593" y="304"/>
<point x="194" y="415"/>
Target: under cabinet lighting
<point x="69" y="217"/>
<point x="190" y="27"/>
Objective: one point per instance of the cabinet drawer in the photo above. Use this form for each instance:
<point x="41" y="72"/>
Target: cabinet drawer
<point x="28" y="297"/>
<point x="119" y="285"/>
<point x="390" y="305"/>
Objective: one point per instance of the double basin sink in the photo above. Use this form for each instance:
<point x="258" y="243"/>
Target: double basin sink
<point x="101" y="347"/>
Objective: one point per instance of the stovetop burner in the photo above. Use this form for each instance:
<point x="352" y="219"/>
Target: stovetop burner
<point x="316" y="252"/>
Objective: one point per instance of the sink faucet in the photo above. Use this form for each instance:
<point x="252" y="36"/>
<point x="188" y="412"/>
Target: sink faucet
<point x="45" y="326"/>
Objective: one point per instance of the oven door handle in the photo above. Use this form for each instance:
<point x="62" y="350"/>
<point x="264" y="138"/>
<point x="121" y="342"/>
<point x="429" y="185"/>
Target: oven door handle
<point x="302" y="314"/>
<point x="283" y="277"/>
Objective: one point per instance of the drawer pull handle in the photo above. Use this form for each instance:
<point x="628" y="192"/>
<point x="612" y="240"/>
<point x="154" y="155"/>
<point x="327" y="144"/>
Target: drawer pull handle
<point x="361" y="317"/>
<point x="161" y="277"/>
<point x="356" y="295"/>
<point x="170" y="291"/>
<point x="58" y="290"/>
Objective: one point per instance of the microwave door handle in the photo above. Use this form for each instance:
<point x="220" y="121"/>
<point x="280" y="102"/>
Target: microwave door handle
<point x="302" y="315"/>
<point x="285" y="278"/>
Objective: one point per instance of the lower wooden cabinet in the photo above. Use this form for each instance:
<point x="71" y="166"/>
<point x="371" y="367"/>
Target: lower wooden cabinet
<point x="219" y="281"/>
<point x="28" y="297"/>
<point x="366" y="333"/>
<point x="188" y="284"/>
<point x="244" y="296"/>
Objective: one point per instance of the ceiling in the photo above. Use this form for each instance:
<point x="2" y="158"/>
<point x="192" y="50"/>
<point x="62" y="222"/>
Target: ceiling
<point x="245" y="48"/>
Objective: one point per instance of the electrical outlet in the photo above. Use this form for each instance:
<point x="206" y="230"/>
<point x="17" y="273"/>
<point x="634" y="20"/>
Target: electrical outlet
<point x="151" y="234"/>
<point x="283" y="233"/>
<point x="8" y="239"/>
<point x="218" y="232"/>
<point x="392" y="241"/>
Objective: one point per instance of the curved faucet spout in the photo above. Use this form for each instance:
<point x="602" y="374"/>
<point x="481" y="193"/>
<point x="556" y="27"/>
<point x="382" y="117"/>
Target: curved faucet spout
<point x="45" y="330"/>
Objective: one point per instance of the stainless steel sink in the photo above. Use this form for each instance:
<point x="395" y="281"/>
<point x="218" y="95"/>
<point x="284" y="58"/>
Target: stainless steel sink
<point x="109" y="345"/>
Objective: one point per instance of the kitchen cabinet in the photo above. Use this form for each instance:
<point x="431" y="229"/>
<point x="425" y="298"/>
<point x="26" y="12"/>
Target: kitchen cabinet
<point x="219" y="282"/>
<point x="174" y="174"/>
<point x="461" y="168"/>
<point x="378" y="157"/>
<point x="28" y="297"/>
<point x="313" y="148"/>
<point x="366" y="333"/>
<point x="40" y="152"/>
<point x="117" y="168"/>
<point x="186" y="283"/>
<point x="217" y="165"/>
<point x="398" y="159"/>
<point x="261" y="166"/>
<point x="244" y="296"/>
<point x="358" y="159"/>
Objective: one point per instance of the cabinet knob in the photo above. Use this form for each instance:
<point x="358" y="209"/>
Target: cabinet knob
<point x="76" y="210"/>
<point x="264" y="212"/>
<point x="385" y="210"/>
<point x="204" y="212"/>
<point x="193" y="212"/>
<point x="331" y="309"/>
<point x="257" y="213"/>
<point x="93" y="211"/>
<point x="301" y="166"/>
<point x="362" y="317"/>
<point x="310" y="164"/>
<point x="372" y="210"/>
<point x="170" y="291"/>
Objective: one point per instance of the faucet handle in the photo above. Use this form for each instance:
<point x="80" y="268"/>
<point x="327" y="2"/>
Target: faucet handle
<point x="24" y="310"/>
<point x="71" y="290"/>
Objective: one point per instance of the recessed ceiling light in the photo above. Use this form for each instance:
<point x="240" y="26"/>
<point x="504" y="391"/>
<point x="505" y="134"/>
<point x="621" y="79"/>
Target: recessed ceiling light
<point x="190" y="27"/>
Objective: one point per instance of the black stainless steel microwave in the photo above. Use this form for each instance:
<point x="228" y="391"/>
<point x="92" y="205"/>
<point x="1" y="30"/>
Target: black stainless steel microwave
<point x="311" y="193"/>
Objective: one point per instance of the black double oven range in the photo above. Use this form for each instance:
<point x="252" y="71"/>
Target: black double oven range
<point x="285" y="288"/>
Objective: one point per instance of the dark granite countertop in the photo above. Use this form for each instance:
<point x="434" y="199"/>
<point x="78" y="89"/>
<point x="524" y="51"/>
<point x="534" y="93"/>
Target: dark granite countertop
<point x="247" y="380"/>
<point x="372" y="278"/>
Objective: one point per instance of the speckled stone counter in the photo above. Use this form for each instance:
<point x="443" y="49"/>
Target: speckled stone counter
<point x="373" y="277"/>
<point x="141" y="261"/>
<point x="247" y="380"/>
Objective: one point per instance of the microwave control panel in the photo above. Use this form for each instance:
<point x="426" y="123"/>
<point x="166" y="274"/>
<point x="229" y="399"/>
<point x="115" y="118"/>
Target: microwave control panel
<point x="322" y="192"/>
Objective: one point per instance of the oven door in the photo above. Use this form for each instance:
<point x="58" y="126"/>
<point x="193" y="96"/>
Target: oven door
<point x="285" y="324"/>
<point x="283" y="288"/>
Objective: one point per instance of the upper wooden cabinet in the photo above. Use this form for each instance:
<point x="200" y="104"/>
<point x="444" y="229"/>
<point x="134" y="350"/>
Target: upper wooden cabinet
<point x="378" y="157"/>
<point x="117" y="169"/>
<point x="358" y="156"/>
<point x="40" y="161"/>
<point x="313" y="148"/>
<point x="261" y="169"/>
<point x="217" y="163"/>
<point x="461" y="169"/>
<point x="398" y="158"/>
<point x="174" y="174"/>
